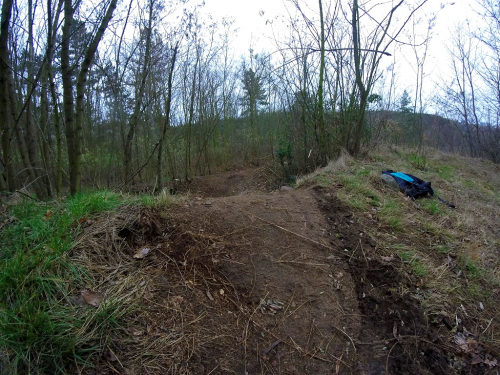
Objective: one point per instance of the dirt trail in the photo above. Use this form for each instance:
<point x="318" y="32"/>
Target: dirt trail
<point x="281" y="283"/>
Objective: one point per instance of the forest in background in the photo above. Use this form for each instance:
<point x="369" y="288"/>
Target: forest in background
<point x="113" y="93"/>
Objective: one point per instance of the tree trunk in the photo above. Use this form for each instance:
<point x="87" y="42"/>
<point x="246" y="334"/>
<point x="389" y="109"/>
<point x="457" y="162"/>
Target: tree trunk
<point x="5" y="119"/>
<point x="58" y="134"/>
<point x="8" y="103"/>
<point x="74" y="115"/>
<point x="370" y="68"/>
<point x="189" y="125"/>
<point x="360" y="118"/>
<point x="166" y="123"/>
<point x="21" y="141"/>
<point x="52" y="22"/>
<point x="68" y="93"/>
<point x="320" y="111"/>
<point x="81" y="83"/>
<point x="30" y="136"/>
<point x="41" y="176"/>
<point x="134" y="119"/>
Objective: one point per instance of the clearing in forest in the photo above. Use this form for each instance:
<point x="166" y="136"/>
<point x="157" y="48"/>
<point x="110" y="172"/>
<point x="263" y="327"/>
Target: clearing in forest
<point x="340" y="275"/>
<point x="294" y="281"/>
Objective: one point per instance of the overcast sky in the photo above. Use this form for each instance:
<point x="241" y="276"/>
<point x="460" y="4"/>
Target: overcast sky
<point x="251" y="16"/>
<point x="252" y="21"/>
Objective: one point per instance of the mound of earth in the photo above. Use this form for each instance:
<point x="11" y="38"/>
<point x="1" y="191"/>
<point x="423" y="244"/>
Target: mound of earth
<point x="281" y="283"/>
<point x="263" y="179"/>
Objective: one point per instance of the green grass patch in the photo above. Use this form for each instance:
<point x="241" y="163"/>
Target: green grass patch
<point x="419" y="269"/>
<point x="322" y="180"/>
<point x="359" y="193"/>
<point x="430" y="227"/>
<point x="432" y="206"/>
<point x="406" y="256"/>
<point x="41" y="331"/>
<point x="390" y="207"/>
<point x="396" y="223"/>
<point x="399" y="247"/>
<point x="445" y="172"/>
<point x="442" y="249"/>
<point x="473" y="270"/>
<point x="392" y="213"/>
<point x="416" y="265"/>
<point x="362" y="172"/>
<point x="474" y="290"/>
<point x="470" y="184"/>
<point x="417" y="161"/>
<point x="378" y="158"/>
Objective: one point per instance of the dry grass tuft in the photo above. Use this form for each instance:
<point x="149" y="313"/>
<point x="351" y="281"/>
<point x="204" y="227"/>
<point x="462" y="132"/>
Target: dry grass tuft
<point x="105" y="251"/>
<point x="161" y="320"/>
<point x="342" y="163"/>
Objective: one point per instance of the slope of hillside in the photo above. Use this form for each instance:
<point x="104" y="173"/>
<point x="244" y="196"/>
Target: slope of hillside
<point x="339" y="275"/>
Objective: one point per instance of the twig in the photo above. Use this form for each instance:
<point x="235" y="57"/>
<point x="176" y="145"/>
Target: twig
<point x="254" y="276"/>
<point x="298" y="348"/>
<point x="215" y="368"/>
<point x="401" y="338"/>
<point x="305" y="264"/>
<point x="349" y="337"/>
<point x="273" y="172"/>
<point x="352" y="254"/>
<point x="271" y="347"/>
<point x="287" y="306"/>
<point x="293" y="312"/>
<point x="361" y="245"/>
<point x="488" y="326"/>
<point x="27" y="195"/>
<point x="245" y="331"/>
<point x="231" y="284"/>
<point x="388" y="355"/>
<point x="309" y="336"/>
<point x="337" y="365"/>
<point x="180" y="273"/>
<point x="116" y="357"/>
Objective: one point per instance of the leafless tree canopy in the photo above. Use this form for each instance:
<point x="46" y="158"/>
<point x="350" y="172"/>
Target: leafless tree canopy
<point x="111" y="94"/>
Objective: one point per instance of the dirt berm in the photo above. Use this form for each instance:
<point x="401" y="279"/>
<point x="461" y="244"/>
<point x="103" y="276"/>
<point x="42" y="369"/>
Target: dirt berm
<point x="285" y="282"/>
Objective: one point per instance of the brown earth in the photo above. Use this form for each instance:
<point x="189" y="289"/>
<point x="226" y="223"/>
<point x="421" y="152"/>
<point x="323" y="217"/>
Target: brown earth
<point x="284" y="282"/>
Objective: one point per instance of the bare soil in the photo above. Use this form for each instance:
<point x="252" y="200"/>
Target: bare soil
<point x="258" y="281"/>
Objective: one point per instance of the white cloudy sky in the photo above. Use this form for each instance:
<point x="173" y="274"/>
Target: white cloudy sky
<point x="252" y="25"/>
<point x="253" y="29"/>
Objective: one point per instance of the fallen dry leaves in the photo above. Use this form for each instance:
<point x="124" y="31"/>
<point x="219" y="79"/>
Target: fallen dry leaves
<point x="92" y="298"/>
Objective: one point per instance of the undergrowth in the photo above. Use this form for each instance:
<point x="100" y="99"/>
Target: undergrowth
<point x="41" y="330"/>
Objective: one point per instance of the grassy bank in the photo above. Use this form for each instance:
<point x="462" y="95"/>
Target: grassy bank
<point x="42" y="330"/>
<point x="454" y="252"/>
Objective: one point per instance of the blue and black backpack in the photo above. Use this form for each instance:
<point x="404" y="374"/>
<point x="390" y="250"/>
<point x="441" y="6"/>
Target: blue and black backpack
<point x="413" y="186"/>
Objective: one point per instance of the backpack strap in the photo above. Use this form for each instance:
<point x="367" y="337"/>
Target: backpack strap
<point x="446" y="203"/>
<point x="402" y="176"/>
